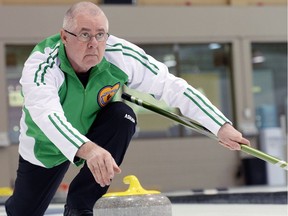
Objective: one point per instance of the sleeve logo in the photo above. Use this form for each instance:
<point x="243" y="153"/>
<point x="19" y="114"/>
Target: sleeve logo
<point x="107" y="93"/>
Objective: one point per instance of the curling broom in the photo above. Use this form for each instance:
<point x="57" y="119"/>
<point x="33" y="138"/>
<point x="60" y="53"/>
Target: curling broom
<point x="200" y="129"/>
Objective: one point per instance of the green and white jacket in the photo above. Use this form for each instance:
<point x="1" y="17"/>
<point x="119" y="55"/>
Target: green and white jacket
<point x="58" y="110"/>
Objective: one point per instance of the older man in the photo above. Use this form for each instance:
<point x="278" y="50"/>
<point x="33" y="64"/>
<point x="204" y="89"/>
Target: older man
<point x="69" y="116"/>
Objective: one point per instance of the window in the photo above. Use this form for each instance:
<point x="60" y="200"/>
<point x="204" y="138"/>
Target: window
<point x="270" y="83"/>
<point x="206" y="67"/>
<point x="16" y="55"/>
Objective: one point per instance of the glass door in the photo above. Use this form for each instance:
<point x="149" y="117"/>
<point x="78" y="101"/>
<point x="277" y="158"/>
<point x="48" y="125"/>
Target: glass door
<point x="269" y="62"/>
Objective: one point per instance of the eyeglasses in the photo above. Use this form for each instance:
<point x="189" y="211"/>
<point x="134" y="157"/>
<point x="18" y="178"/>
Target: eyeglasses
<point x="86" y="37"/>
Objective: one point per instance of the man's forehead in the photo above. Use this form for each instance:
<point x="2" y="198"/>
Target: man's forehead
<point x="86" y="22"/>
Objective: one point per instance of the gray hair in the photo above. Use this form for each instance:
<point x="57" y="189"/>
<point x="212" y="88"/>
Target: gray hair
<point x="74" y="10"/>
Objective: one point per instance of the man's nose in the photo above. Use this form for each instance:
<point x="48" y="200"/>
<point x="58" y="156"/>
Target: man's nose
<point x="93" y="42"/>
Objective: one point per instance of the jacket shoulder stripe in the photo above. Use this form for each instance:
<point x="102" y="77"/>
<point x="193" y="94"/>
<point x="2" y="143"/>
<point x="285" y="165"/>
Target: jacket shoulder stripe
<point x="42" y="69"/>
<point x="133" y="50"/>
<point x="128" y="51"/>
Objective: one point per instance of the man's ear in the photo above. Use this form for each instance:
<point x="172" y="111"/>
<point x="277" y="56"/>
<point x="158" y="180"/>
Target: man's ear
<point x="63" y="36"/>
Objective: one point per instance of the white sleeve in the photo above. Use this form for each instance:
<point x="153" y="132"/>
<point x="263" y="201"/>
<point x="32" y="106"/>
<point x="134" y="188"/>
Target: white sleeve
<point x="148" y="75"/>
<point x="40" y="82"/>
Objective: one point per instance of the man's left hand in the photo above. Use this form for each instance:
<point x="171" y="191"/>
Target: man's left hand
<point x="231" y="138"/>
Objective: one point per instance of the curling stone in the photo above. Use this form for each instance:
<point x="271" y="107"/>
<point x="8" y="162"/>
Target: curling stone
<point x="135" y="201"/>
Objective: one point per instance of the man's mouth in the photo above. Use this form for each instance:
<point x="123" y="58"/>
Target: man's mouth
<point x="91" y="55"/>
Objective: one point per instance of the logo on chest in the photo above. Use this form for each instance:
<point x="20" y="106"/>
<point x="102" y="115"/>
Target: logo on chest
<point x="106" y="94"/>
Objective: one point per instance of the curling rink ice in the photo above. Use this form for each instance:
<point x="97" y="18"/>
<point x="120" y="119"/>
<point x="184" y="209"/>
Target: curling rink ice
<point x="228" y="210"/>
<point x="257" y="201"/>
<point x="202" y="210"/>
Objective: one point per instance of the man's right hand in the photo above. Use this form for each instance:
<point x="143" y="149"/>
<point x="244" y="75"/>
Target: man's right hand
<point x="100" y="162"/>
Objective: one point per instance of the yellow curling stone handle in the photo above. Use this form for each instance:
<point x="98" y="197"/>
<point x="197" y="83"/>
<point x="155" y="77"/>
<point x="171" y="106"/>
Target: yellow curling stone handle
<point x="135" y="188"/>
<point x="6" y="191"/>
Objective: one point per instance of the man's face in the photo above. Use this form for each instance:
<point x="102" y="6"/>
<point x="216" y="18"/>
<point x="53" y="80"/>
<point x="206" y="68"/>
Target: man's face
<point x="84" y="55"/>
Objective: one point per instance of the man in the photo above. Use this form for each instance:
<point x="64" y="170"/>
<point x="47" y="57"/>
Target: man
<point x="68" y="84"/>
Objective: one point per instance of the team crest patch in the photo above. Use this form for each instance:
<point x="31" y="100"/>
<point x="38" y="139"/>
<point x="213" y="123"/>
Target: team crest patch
<point x="107" y="93"/>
